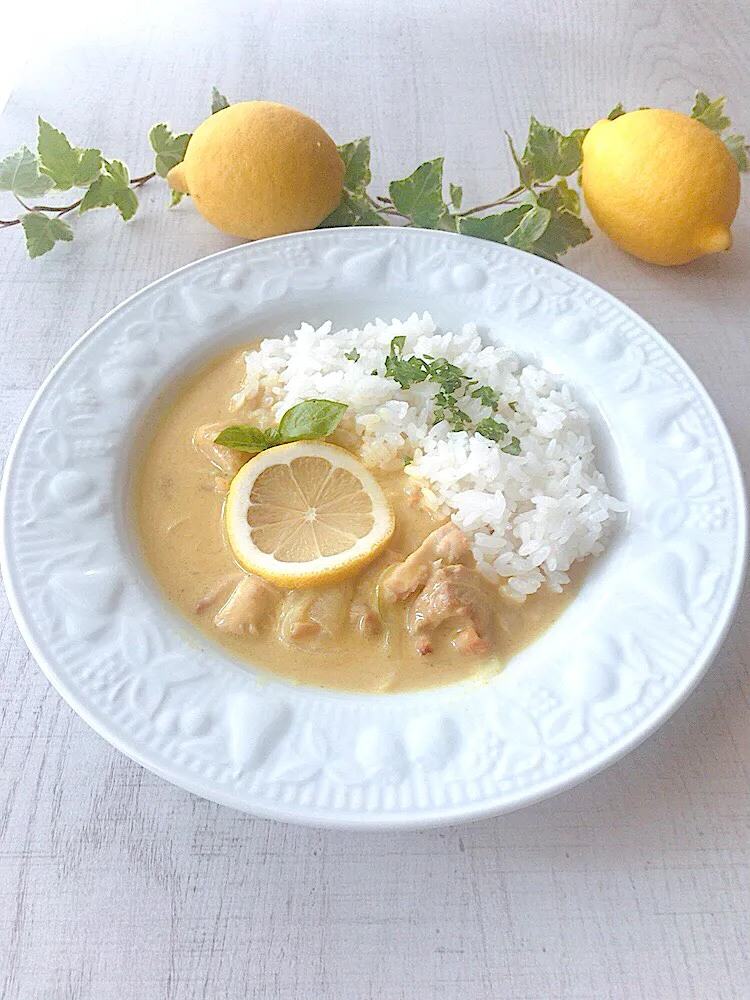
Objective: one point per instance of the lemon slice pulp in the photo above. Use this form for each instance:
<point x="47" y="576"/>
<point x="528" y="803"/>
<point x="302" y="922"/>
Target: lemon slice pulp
<point x="306" y="514"/>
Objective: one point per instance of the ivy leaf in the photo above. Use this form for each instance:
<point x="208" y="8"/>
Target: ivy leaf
<point x="169" y="148"/>
<point x="549" y="153"/>
<point x="352" y="210"/>
<point x="420" y="195"/>
<point x="42" y="232"/>
<point x="65" y="164"/>
<point x="457" y="194"/>
<point x="616" y="111"/>
<point x="736" y="146"/>
<point x="356" y="157"/>
<point x="711" y="113"/>
<point x="112" y="188"/>
<point x="530" y="228"/>
<point x="218" y="101"/>
<point x="560" y="197"/>
<point x="564" y="231"/>
<point x="19" y="173"/>
<point x="494" y="227"/>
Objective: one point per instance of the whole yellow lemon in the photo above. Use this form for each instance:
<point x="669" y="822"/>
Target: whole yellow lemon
<point x="259" y="169"/>
<point x="661" y="185"/>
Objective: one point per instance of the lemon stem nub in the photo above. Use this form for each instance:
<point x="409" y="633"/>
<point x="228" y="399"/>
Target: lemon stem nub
<point x="177" y="180"/>
<point x="716" y="240"/>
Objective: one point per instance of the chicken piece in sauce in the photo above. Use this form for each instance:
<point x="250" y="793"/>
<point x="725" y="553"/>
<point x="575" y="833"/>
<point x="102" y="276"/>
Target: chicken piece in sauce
<point x="249" y="608"/>
<point x="228" y="461"/>
<point x="447" y="544"/>
<point x="458" y="597"/>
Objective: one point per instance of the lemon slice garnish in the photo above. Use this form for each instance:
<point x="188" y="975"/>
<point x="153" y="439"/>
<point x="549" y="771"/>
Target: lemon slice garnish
<point x="306" y="514"/>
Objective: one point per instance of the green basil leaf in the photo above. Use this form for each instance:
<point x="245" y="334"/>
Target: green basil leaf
<point x="313" y="418"/>
<point x="242" y="438"/>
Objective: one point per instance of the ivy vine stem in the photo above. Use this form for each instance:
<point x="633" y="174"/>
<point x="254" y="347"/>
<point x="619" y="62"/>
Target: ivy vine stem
<point x="60" y="210"/>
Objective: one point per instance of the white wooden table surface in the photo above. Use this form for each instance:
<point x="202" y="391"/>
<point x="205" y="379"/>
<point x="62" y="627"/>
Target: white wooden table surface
<point x="117" y="886"/>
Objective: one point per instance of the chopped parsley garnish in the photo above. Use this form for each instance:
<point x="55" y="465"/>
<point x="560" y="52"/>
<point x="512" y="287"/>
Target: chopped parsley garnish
<point x="487" y="397"/>
<point x="353" y="355"/>
<point x="492" y="429"/>
<point x="452" y="384"/>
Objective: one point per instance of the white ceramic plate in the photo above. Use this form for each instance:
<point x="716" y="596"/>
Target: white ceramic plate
<point x="626" y="652"/>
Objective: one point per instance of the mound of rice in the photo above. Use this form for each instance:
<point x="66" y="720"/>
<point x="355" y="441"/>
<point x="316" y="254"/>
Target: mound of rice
<point x="530" y="516"/>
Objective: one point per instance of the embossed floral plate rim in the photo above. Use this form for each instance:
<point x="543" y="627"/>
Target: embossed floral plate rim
<point x="191" y="714"/>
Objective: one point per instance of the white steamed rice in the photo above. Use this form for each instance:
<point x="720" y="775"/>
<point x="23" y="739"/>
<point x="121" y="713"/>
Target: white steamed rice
<point x="529" y="517"/>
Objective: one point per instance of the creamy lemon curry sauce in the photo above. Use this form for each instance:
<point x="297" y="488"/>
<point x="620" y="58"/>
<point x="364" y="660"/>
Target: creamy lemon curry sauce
<point x="418" y="616"/>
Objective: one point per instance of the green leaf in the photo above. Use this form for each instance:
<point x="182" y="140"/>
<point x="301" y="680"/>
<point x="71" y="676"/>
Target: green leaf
<point x="126" y="201"/>
<point x="65" y="164"/>
<point x="736" y="146"/>
<point x="242" y="438"/>
<point x="405" y="371"/>
<point x="494" y="430"/>
<point x="112" y="188"/>
<point x="118" y="172"/>
<point x="218" y="101"/>
<point x="711" y="113"/>
<point x="420" y="195"/>
<point x="487" y="396"/>
<point x="457" y="194"/>
<point x="353" y="355"/>
<point x="356" y="157"/>
<point x="176" y="198"/>
<point x="19" y="173"/>
<point x="493" y="227"/>
<point x="616" y="111"/>
<point x="530" y="228"/>
<point x="560" y="197"/>
<point x="352" y="210"/>
<point x="513" y="448"/>
<point x="564" y="231"/>
<point x="549" y="153"/>
<point x="169" y="148"/>
<point x="42" y="232"/>
<point x="313" y="418"/>
<point x="524" y="172"/>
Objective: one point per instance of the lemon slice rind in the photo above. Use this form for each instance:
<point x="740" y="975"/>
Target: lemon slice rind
<point x="322" y="569"/>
